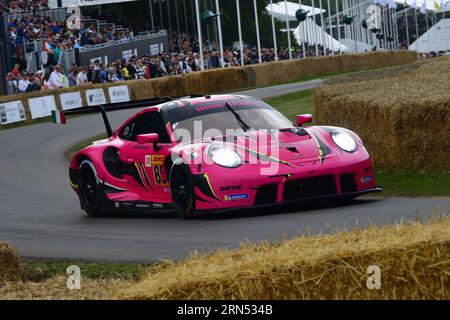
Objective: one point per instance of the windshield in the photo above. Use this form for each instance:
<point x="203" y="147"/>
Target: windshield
<point x="218" y="120"/>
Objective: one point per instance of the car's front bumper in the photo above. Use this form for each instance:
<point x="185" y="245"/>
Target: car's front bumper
<point x="306" y="200"/>
<point x="244" y="188"/>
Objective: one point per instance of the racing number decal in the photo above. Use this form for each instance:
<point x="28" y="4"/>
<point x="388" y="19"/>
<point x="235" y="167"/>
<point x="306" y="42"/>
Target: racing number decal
<point x="157" y="172"/>
<point x="157" y="163"/>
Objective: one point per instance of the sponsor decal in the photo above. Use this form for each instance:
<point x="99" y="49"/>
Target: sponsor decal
<point x="236" y="196"/>
<point x="70" y="100"/>
<point x="95" y="97"/>
<point x="366" y="179"/>
<point x="157" y="206"/>
<point x="142" y="205"/>
<point x="157" y="159"/>
<point x="148" y="160"/>
<point x="118" y="94"/>
<point x="11" y="112"/>
<point x="117" y="204"/>
<point x="230" y="188"/>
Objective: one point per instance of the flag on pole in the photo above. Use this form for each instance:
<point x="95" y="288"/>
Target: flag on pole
<point x="392" y="4"/>
<point x="436" y="6"/>
<point x="423" y="7"/>
<point x="445" y="5"/>
<point x="58" y="117"/>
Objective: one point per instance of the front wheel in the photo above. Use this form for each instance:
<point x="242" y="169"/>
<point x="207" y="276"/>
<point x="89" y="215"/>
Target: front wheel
<point x="182" y="190"/>
<point x="89" y="189"/>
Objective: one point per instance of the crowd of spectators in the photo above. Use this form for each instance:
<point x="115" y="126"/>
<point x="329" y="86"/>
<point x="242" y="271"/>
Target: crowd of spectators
<point x="183" y="58"/>
<point x="55" y="36"/>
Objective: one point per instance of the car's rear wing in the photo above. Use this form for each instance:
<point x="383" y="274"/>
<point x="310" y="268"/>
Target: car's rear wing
<point x="60" y="116"/>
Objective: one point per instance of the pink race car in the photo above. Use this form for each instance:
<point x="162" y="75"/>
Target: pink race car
<point x="214" y="153"/>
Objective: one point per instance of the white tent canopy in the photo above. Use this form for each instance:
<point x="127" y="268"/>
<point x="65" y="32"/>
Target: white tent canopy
<point x="279" y="10"/>
<point x="310" y="32"/>
<point x="437" y="38"/>
<point x="358" y="46"/>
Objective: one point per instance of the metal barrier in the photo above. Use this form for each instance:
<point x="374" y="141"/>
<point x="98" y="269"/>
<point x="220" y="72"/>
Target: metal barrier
<point x="58" y="14"/>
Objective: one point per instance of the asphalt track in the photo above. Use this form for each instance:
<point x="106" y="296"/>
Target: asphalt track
<point x="40" y="214"/>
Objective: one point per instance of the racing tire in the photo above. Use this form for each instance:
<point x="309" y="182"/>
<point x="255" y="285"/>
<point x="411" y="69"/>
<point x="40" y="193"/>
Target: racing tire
<point x="182" y="190"/>
<point x="89" y="189"/>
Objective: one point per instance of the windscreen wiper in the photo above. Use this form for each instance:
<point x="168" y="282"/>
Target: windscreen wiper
<point x="243" y="125"/>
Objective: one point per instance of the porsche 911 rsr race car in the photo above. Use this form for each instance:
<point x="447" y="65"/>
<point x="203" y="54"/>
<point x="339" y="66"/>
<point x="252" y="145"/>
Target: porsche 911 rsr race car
<point x="212" y="153"/>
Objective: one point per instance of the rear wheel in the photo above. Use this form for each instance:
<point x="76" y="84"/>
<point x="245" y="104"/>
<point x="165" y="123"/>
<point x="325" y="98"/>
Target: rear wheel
<point x="182" y="191"/>
<point x="90" y="192"/>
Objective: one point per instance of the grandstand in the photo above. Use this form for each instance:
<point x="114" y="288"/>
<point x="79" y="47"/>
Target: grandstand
<point x="173" y="36"/>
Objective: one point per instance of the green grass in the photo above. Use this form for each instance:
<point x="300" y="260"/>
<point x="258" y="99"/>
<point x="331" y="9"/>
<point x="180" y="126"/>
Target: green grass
<point x="413" y="184"/>
<point x="293" y="104"/>
<point x="41" y="270"/>
<point x="82" y="144"/>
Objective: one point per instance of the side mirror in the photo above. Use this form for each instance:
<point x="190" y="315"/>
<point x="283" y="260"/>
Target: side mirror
<point x="303" y="118"/>
<point x="147" y="138"/>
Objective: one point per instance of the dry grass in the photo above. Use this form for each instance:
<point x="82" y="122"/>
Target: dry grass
<point x="403" y="114"/>
<point x="9" y="264"/>
<point x="223" y="80"/>
<point x="56" y="289"/>
<point x="414" y="261"/>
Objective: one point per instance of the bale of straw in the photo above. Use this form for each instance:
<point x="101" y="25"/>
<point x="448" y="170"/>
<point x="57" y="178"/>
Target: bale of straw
<point x="9" y="263"/>
<point x="221" y="80"/>
<point x="413" y="260"/>
<point x="402" y="114"/>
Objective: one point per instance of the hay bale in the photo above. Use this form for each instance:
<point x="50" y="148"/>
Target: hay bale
<point x="9" y="263"/>
<point x="402" y="114"/>
<point x="413" y="260"/>
<point x="222" y="80"/>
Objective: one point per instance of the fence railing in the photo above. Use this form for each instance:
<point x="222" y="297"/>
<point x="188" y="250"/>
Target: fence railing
<point x="58" y="14"/>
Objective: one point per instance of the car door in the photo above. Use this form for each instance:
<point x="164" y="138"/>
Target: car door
<point x="148" y="163"/>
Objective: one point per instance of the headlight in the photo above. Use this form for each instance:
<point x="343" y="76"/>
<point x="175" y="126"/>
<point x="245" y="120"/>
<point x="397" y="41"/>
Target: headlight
<point x="225" y="157"/>
<point x="344" y="141"/>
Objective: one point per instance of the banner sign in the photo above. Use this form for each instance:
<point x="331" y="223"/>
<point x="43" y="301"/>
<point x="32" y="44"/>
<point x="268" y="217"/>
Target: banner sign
<point x="81" y="3"/>
<point x="127" y="54"/>
<point x="70" y="100"/>
<point x="156" y="48"/>
<point x="41" y="106"/>
<point x="118" y="94"/>
<point x="95" y="97"/>
<point x="11" y="112"/>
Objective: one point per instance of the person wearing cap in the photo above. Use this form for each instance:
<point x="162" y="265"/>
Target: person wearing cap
<point x="24" y="82"/>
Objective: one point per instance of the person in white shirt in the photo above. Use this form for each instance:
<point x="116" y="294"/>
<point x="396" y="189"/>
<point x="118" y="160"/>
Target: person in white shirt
<point x="81" y="77"/>
<point x="24" y="82"/>
<point x="57" y="79"/>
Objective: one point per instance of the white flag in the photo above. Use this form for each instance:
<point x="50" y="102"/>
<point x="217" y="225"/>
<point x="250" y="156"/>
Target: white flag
<point x="445" y="5"/>
<point x="392" y="4"/>
<point x="423" y="7"/>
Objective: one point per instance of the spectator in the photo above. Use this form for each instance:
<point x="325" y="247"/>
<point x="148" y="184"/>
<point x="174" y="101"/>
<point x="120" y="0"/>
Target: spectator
<point x="16" y="70"/>
<point x="81" y="77"/>
<point x="57" y="78"/>
<point x="72" y="76"/>
<point x="11" y="84"/>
